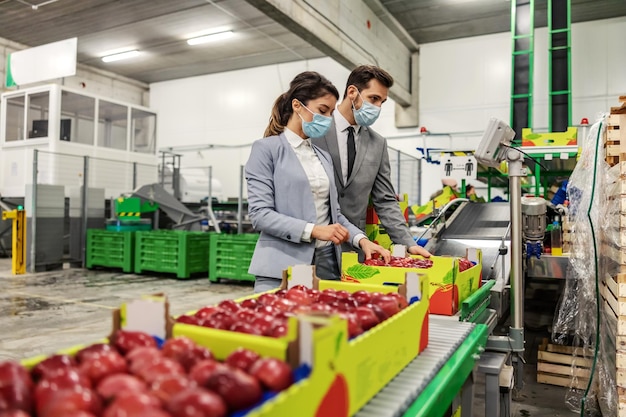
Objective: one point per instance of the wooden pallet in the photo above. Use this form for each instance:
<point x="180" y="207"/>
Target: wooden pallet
<point x="615" y="138"/>
<point x="554" y="365"/>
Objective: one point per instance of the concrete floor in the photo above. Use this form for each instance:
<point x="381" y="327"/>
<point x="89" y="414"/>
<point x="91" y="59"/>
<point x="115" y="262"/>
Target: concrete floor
<point x="44" y="312"/>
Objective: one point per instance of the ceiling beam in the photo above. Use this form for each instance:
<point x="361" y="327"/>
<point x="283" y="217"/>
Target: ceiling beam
<point x="349" y="32"/>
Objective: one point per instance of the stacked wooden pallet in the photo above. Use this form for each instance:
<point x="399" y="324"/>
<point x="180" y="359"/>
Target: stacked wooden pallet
<point x="565" y="366"/>
<point x="568" y="234"/>
<point x="613" y="258"/>
<point x="615" y="140"/>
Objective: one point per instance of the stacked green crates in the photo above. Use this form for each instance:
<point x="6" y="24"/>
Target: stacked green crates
<point x="110" y="249"/>
<point x="231" y="255"/>
<point x="172" y="251"/>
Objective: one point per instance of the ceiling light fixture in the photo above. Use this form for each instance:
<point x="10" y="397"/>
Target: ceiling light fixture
<point x="210" y="38"/>
<point x="122" y="55"/>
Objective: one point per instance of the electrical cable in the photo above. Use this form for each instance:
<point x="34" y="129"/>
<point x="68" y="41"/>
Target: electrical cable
<point x="595" y="258"/>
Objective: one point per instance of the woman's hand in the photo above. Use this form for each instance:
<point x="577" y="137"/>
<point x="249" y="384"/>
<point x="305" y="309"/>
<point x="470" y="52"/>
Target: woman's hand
<point x="368" y="247"/>
<point x="335" y="232"/>
<point x="418" y="250"/>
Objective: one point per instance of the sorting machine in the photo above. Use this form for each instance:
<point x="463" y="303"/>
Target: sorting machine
<point x="441" y="378"/>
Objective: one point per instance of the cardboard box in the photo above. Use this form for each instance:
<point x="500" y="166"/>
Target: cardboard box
<point x="449" y="287"/>
<point x="346" y="373"/>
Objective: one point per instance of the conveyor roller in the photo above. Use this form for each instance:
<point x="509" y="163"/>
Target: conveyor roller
<point x="445" y="336"/>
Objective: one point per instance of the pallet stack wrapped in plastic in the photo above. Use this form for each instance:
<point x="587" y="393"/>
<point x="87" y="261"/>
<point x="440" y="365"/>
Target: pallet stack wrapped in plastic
<point x="591" y="316"/>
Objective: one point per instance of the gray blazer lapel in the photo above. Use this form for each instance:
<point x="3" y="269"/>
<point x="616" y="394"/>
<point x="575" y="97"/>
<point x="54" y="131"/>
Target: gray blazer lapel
<point x="364" y="141"/>
<point x="333" y="150"/>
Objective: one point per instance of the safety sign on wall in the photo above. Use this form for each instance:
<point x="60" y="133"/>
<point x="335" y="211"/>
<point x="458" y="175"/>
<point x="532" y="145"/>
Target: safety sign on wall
<point x="458" y="167"/>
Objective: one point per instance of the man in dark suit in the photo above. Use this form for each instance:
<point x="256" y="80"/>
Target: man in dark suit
<point x="360" y="157"/>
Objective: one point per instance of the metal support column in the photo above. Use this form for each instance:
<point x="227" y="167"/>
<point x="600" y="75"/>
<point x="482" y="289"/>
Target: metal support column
<point x="240" y="201"/>
<point x="33" y="212"/>
<point x="84" y="210"/>
<point x="209" y="203"/>
<point x="134" y="175"/>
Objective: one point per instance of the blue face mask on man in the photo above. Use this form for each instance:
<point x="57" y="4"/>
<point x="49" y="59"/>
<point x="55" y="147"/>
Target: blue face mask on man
<point x="317" y="127"/>
<point x="367" y="114"/>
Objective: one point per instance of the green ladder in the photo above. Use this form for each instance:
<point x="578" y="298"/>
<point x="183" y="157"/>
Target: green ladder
<point x="560" y="82"/>
<point x="522" y="27"/>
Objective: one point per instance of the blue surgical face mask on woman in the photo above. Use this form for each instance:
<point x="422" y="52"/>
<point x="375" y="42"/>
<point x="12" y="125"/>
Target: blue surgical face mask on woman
<point x="367" y="114"/>
<point x="317" y="127"/>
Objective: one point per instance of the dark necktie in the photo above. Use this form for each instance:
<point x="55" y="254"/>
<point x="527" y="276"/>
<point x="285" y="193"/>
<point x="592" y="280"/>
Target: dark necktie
<point x="351" y="150"/>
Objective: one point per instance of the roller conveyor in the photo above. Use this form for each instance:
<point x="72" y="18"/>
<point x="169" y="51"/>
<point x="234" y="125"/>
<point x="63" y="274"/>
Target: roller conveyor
<point x="418" y="389"/>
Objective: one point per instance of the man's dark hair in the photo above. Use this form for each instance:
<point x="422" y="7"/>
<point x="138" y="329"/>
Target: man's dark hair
<point x="362" y="75"/>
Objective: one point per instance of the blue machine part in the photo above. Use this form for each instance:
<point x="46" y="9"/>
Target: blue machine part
<point x="533" y="249"/>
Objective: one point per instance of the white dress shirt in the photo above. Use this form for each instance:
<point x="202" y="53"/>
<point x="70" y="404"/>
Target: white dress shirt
<point x="318" y="179"/>
<point x="341" y="124"/>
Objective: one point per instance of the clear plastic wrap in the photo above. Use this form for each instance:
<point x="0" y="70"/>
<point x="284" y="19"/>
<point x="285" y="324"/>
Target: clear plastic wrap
<point x="578" y="319"/>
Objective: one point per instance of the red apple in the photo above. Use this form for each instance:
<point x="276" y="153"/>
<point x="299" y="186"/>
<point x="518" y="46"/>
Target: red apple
<point x="302" y="309"/>
<point x="362" y="297"/>
<point x="278" y="330"/>
<point x="196" y="402"/>
<point x="156" y="370"/>
<point x="127" y="340"/>
<point x="266" y="309"/>
<point x="141" y="357"/>
<point x="242" y="359"/>
<point x="98" y="367"/>
<point x="202" y="371"/>
<point x="283" y="304"/>
<point x="65" y="401"/>
<point x="284" y="315"/>
<point x="320" y="307"/>
<point x="20" y="413"/>
<point x="273" y="373"/>
<point x="245" y="315"/>
<point x="206" y="312"/>
<point x="185" y="351"/>
<point x="387" y="303"/>
<point x="113" y="385"/>
<point x="15" y="387"/>
<point x="71" y="379"/>
<point x="220" y="320"/>
<point x="238" y="389"/>
<point x="96" y="349"/>
<point x="367" y="317"/>
<point x="264" y="322"/>
<point x="169" y="385"/>
<point x="189" y="320"/>
<point x="354" y="326"/>
<point x="382" y="316"/>
<point x="327" y="297"/>
<point x="315" y="294"/>
<point x="267" y="299"/>
<point x="52" y="365"/>
<point x="299" y="296"/>
<point x="133" y="405"/>
<point x="280" y="293"/>
<point x="240" y="327"/>
<point x="229" y="306"/>
<point x="250" y="303"/>
<point x="401" y="299"/>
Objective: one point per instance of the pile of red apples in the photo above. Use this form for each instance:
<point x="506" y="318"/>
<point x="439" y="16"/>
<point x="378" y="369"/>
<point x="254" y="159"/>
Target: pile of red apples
<point x="267" y="314"/>
<point x="131" y="377"/>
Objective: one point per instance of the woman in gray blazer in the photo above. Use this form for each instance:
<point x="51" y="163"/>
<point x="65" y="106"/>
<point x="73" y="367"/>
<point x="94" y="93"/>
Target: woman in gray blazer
<point x="292" y="198"/>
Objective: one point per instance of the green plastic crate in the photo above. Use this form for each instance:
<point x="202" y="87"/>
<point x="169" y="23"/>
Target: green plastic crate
<point x="110" y="249"/>
<point x="172" y="251"/>
<point x="230" y="256"/>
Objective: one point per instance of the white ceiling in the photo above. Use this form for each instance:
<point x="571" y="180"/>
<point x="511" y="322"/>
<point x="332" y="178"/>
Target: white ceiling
<point x="159" y="29"/>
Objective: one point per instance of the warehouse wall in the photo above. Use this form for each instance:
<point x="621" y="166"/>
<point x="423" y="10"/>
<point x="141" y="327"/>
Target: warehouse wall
<point x="93" y="80"/>
<point x="462" y="83"/>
